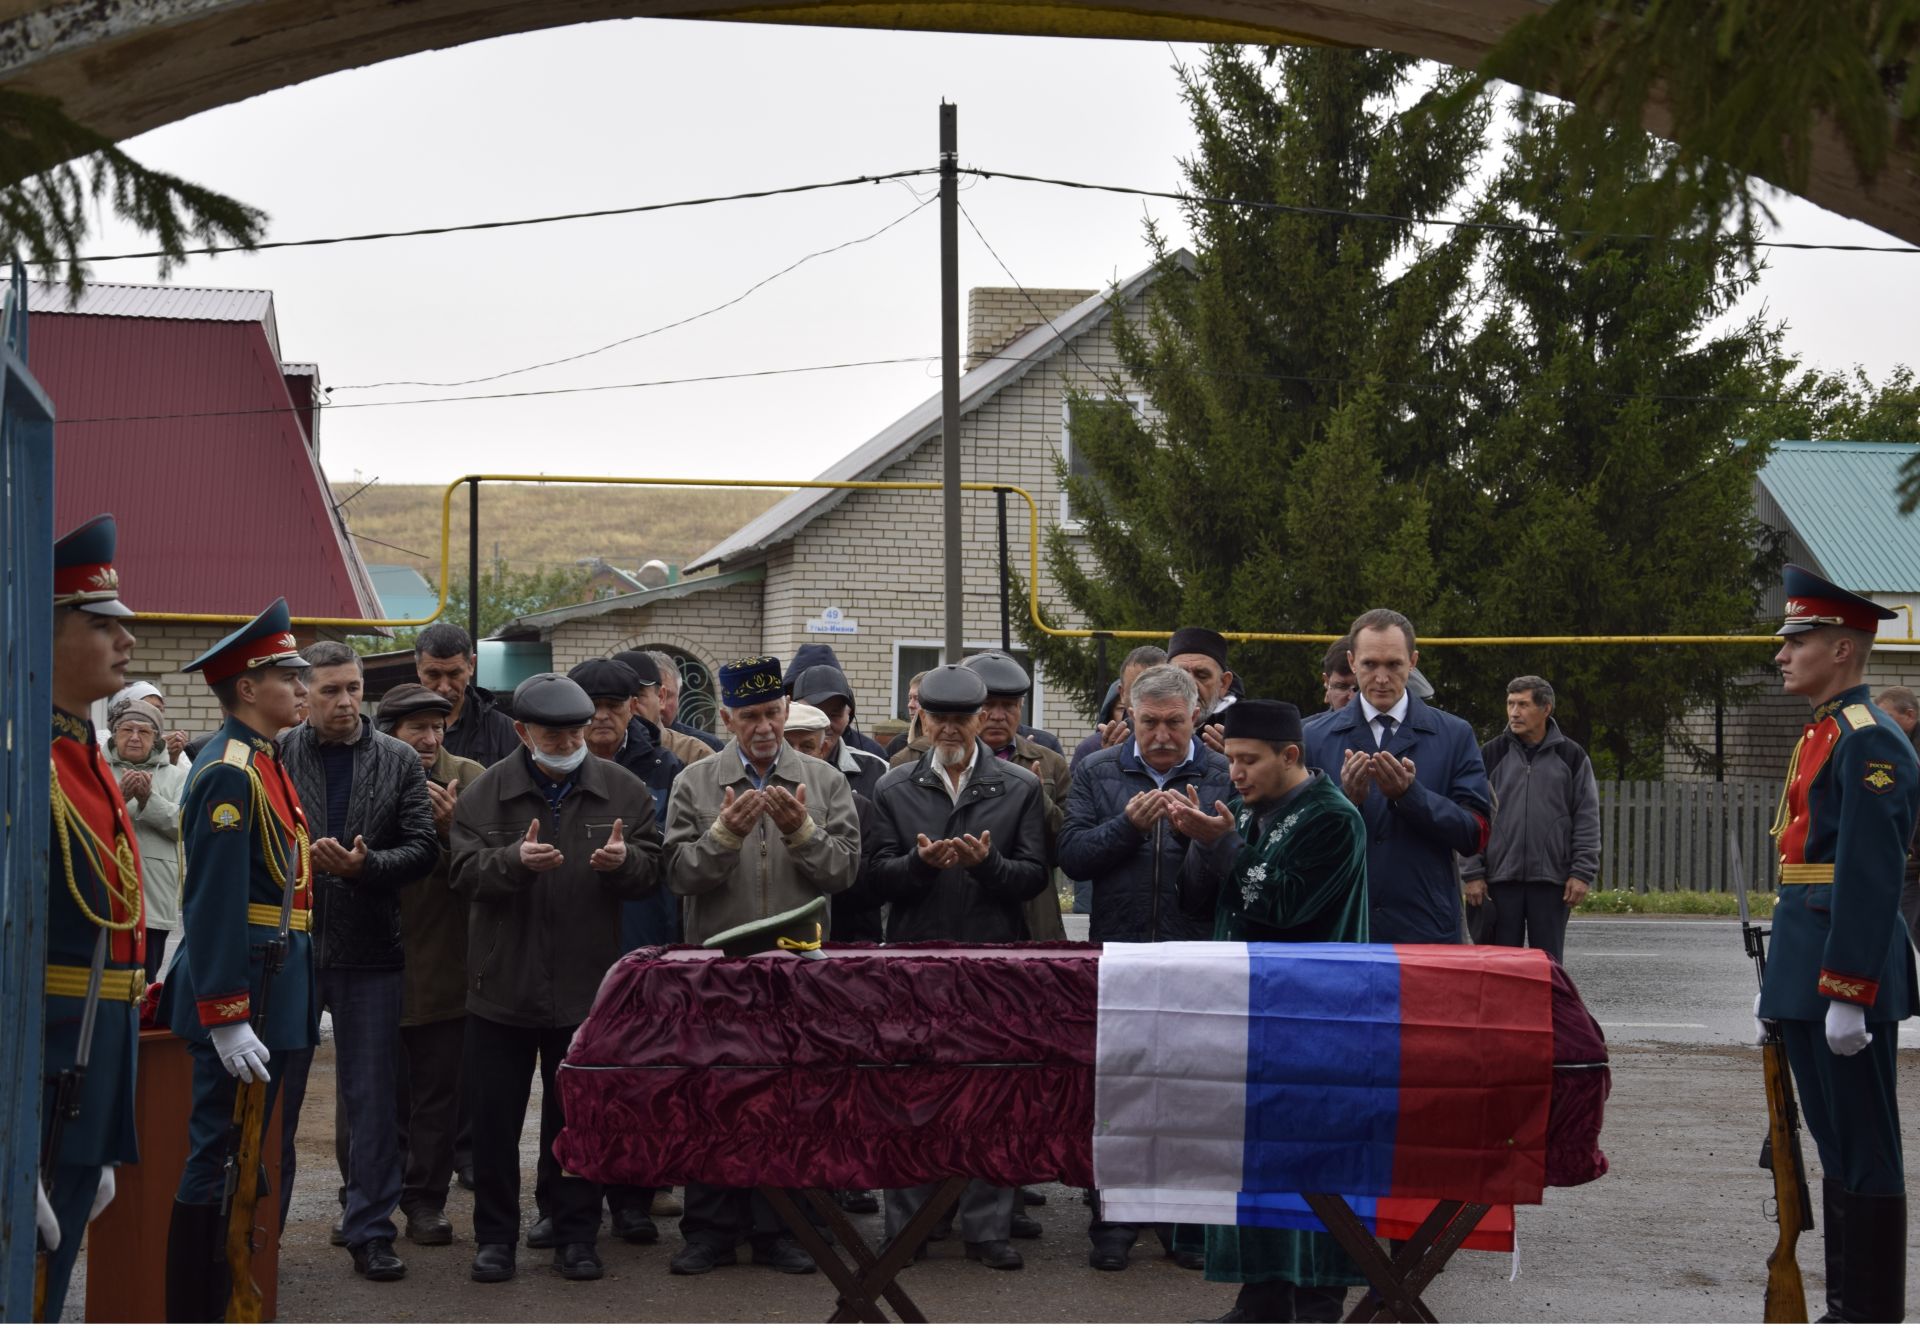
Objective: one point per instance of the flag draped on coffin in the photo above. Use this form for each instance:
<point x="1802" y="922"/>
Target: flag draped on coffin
<point x="1231" y="1077"/>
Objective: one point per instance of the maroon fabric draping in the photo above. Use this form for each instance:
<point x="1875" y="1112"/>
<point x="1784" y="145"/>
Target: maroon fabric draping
<point x="889" y="1067"/>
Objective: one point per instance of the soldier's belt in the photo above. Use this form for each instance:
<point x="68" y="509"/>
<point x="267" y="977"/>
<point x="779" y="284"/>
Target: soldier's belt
<point x="115" y="985"/>
<point x="1805" y="874"/>
<point x="268" y="916"/>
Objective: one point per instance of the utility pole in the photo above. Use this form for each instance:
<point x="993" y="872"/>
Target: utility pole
<point x="950" y="375"/>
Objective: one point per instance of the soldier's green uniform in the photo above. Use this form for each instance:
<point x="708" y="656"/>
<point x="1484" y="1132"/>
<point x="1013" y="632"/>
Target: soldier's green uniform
<point x="1845" y="820"/>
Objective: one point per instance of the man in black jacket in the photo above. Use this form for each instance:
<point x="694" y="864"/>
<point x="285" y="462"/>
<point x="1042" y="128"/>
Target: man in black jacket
<point x="366" y="800"/>
<point x="962" y="846"/>
<point x="478" y="730"/>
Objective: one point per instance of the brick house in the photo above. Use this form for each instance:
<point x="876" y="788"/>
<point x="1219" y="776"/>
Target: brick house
<point x="175" y="412"/>
<point x="1837" y="506"/>
<point x="861" y="570"/>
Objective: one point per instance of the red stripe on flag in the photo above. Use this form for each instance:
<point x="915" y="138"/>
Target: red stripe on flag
<point x="1398" y="1218"/>
<point x="1476" y="1073"/>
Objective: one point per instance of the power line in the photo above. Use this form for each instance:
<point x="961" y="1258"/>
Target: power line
<point x="1457" y="223"/>
<point x="665" y="327"/>
<point x="520" y="221"/>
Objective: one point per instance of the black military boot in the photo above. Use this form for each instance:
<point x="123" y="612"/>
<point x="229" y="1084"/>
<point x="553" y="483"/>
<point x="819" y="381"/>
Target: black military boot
<point x="198" y="1280"/>
<point x="1875" y="1269"/>
<point x="1833" y="1227"/>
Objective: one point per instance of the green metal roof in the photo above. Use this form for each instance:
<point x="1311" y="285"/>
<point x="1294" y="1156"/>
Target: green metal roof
<point x="1840" y="499"/>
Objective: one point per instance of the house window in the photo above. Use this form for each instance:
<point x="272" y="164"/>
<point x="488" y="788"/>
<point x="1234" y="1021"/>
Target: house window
<point x="1076" y="466"/>
<point x="911" y="658"/>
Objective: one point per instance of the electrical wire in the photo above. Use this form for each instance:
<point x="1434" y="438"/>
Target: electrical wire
<point x="625" y="341"/>
<point x="1398" y="219"/>
<point x="519" y="221"/>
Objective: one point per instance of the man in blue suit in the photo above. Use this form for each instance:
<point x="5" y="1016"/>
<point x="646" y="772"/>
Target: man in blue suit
<point x="1415" y="774"/>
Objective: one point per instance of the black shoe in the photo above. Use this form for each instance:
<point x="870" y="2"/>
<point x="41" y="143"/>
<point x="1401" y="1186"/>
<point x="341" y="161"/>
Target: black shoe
<point x="1188" y="1260"/>
<point x="785" y="1255"/>
<point x="1025" y="1226"/>
<point x="337" y="1235"/>
<point x="374" y="1259"/>
<point x="429" y="1228"/>
<point x="540" y="1236"/>
<point x="635" y="1225"/>
<point x="464" y="1176"/>
<point x="696" y="1258"/>
<point x="1109" y="1257"/>
<point x="995" y="1255"/>
<point x="861" y="1202"/>
<point x="1031" y="1196"/>
<point x="493" y="1263"/>
<point x="1833" y="1228"/>
<point x="578" y="1260"/>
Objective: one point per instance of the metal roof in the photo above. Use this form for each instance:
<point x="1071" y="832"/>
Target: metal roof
<point x="1840" y="501"/>
<point x="128" y="300"/>
<point x="186" y="432"/>
<point x="922" y="424"/>
<point x="532" y="623"/>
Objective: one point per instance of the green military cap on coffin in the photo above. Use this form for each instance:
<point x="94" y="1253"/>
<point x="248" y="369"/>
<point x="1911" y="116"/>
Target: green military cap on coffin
<point x="799" y="930"/>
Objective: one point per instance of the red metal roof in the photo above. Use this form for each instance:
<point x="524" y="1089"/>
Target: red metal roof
<point x="218" y="513"/>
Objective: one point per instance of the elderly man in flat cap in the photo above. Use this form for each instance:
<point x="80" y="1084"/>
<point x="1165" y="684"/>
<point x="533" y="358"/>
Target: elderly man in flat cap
<point x="1284" y="861"/>
<point x="962" y="849"/>
<point x="546" y="845"/>
<point x="433" y="930"/>
<point x="754" y="830"/>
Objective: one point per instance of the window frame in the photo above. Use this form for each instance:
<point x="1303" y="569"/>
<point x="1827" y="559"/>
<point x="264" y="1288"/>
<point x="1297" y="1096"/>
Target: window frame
<point x="1036" y="702"/>
<point x="1068" y="522"/>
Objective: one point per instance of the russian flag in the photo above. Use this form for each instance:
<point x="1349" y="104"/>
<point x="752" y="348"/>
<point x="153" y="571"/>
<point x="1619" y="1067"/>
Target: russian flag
<point x="1231" y="1077"/>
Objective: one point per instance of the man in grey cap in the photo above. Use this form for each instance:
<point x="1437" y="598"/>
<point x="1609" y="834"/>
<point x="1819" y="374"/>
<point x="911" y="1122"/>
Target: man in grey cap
<point x="826" y="687"/>
<point x="546" y="845"/>
<point x="961" y="850"/>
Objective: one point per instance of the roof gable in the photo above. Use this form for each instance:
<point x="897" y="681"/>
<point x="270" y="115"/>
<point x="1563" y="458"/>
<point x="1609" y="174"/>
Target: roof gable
<point x="128" y="300"/>
<point x="919" y="426"/>
<point x="1840" y="500"/>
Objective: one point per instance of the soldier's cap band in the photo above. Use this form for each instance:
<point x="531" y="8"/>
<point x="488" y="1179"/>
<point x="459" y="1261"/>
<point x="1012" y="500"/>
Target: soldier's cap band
<point x="1811" y="612"/>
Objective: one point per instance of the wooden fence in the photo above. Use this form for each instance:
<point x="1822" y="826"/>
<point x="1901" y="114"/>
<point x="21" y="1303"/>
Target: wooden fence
<point x="1672" y="835"/>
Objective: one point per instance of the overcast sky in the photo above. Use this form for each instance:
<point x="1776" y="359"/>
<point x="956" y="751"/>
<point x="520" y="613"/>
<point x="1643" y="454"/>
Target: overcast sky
<point x="647" y="110"/>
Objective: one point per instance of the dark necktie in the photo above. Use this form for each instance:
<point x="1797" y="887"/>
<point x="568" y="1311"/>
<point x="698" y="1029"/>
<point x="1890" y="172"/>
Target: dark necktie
<point x="1386" y="732"/>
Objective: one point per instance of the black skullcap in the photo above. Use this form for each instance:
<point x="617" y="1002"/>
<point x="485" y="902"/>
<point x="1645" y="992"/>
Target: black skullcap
<point x="1260" y="718"/>
<point x="951" y="690"/>
<point x="1001" y="673"/>
<point x="551" y="699"/>
<point x="605" y="678"/>
<point x="1198" y="642"/>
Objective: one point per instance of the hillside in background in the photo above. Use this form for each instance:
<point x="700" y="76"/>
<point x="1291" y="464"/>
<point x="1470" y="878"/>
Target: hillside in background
<point x="532" y="528"/>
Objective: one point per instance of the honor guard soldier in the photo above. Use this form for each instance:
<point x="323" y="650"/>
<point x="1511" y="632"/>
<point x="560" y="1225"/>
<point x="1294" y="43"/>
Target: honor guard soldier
<point x="96" y="924"/>
<point x="248" y="881"/>
<point x="1841" y="976"/>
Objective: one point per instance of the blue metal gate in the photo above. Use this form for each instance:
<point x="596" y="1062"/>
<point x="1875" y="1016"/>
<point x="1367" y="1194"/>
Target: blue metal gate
<point x="26" y="712"/>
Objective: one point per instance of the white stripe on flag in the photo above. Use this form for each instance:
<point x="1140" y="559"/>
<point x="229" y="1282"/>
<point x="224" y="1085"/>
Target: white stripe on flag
<point x="1170" y="1076"/>
<point x="1167" y="1205"/>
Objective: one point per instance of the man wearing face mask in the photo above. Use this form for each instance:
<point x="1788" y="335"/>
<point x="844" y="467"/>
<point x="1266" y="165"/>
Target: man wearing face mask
<point x="546" y="845"/>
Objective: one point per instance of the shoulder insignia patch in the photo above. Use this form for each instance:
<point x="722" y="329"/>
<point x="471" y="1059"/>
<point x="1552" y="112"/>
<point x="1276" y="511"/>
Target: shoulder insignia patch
<point x="1859" y="715"/>
<point x="224" y="817"/>
<point x="238" y="754"/>
<point x="1879" y="777"/>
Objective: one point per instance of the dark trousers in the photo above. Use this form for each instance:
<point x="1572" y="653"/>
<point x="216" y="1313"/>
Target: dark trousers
<point x="366" y="1039"/>
<point x="1278" y="1302"/>
<point x="203" y="1182"/>
<point x="500" y="1065"/>
<point x="70" y="1191"/>
<point x="1530" y="914"/>
<point x="1850" y="1106"/>
<point x="434" y="1056"/>
<point x="156" y="952"/>
<point x="725" y="1217"/>
<point x="1910" y="907"/>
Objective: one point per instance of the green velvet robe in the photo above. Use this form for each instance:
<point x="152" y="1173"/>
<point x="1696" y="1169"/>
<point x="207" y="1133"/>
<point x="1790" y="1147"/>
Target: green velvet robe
<point x="1303" y="880"/>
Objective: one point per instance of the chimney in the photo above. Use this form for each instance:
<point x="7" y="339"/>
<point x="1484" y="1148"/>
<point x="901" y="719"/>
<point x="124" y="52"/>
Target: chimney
<point x="998" y="314"/>
<point x="303" y="386"/>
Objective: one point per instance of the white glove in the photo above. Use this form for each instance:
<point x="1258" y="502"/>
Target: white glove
<point x="241" y="1051"/>
<point x="103" y="1196"/>
<point x="1847" y="1028"/>
<point x="1759" y="1026"/>
<point x="43" y="1218"/>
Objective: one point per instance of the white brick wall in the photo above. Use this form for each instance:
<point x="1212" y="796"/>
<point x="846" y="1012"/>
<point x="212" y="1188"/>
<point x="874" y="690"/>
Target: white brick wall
<point x="161" y="652"/>
<point x="1760" y="736"/>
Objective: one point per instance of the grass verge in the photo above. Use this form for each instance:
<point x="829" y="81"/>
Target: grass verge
<point x="1717" y="904"/>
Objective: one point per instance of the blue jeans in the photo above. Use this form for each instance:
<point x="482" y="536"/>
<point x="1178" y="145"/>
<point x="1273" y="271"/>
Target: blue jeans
<point x="366" y="1041"/>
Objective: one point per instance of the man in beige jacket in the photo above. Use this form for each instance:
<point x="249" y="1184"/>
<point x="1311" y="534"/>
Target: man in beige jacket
<point x="756" y="829"/>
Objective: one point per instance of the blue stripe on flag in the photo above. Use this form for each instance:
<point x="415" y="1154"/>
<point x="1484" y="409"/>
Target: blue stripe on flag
<point x="1290" y="1210"/>
<point x="1323" y="1070"/>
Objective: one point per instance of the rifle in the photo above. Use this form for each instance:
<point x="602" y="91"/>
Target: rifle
<point x="67" y="1091"/>
<point x="241" y="1193"/>
<point x="1793" y="1203"/>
